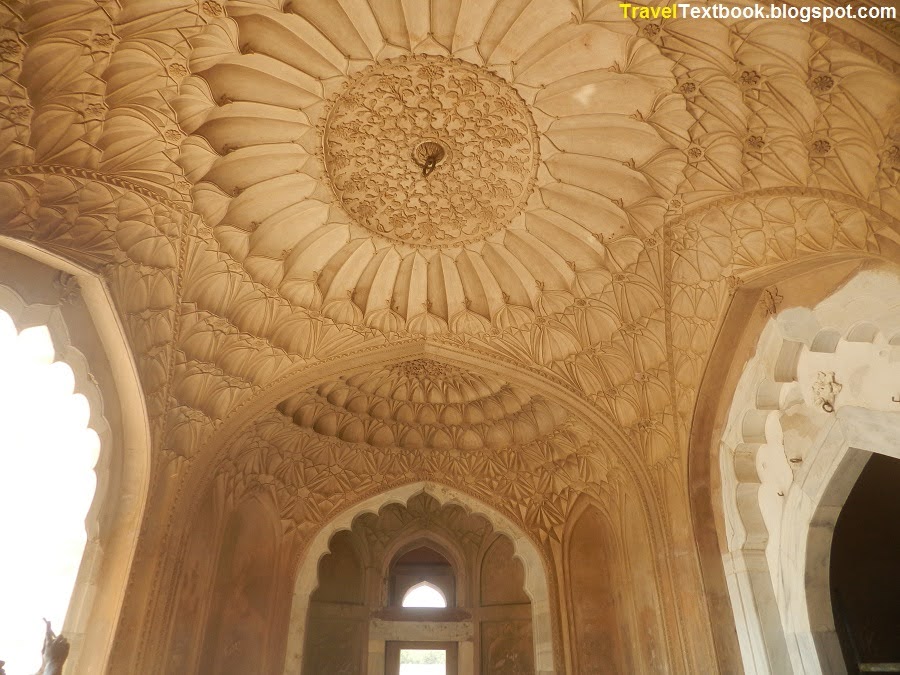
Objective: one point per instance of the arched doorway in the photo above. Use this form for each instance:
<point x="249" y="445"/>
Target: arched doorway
<point x="865" y="588"/>
<point x="357" y="620"/>
<point x="810" y="404"/>
<point x="38" y="289"/>
<point x="49" y="479"/>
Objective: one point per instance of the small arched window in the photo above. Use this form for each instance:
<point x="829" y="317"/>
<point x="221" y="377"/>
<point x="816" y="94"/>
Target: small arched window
<point x="422" y="577"/>
<point x="424" y="595"/>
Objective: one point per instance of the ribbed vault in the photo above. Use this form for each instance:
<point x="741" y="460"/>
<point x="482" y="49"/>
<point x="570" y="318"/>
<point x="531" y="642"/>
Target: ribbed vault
<point x="205" y="159"/>
<point x="435" y="418"/>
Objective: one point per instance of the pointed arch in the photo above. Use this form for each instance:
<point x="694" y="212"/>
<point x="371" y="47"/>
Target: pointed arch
<point x="536" y="581"/>
<point x="732" y="529"/>
<point x="427" y="591"/>
<point x="647" y="502"/>
<point x="87" y="334"/>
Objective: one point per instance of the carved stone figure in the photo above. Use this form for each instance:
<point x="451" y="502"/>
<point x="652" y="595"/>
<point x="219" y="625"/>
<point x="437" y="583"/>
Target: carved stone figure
<point x="55" y="652"/>
<point x="825" y="389"/>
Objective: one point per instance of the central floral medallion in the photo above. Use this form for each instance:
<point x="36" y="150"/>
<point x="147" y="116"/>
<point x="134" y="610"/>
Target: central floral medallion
<point x="431" y="151"/>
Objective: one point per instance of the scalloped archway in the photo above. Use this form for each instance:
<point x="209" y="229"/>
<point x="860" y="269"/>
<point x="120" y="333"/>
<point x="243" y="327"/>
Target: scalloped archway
<point x="536" y="581"/>
<point x="784" y="440"/>
<point x="88" y="335"/>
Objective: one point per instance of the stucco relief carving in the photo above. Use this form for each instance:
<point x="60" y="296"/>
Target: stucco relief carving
<point x="421" y="513"/>
<point x="485" y="150"/>
<point x="825" y="389"/>
<point x="173" y="146"/>
<point x="539" y="264"/>
<point x="770" y="302"/>
<point x="105" y="49"/>
<point x="424" y="404"/>
<point x="314" y="476"/>
<point x="737" y="237"/>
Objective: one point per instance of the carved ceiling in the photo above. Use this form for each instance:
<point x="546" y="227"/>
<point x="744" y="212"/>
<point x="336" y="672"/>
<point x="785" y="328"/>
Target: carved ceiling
<point x="313" y="476"/>
<point x="471" y="247"/>
<point x="422" y="512"/>
<point x="424" y="404"/>
<point x="269" y="186"/>
<point x="470" y="124"/>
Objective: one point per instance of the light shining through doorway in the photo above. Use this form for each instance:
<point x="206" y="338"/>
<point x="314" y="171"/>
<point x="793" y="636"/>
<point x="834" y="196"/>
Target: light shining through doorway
<point x="47" y="456"/>
<point x="423" y="662"/>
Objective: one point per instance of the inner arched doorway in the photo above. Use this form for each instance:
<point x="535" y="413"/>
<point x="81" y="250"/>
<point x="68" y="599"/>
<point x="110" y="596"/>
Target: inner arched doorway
<point x="352" y="584"/>
<point x="76" y="309"/>
<point x="864" y="587"/>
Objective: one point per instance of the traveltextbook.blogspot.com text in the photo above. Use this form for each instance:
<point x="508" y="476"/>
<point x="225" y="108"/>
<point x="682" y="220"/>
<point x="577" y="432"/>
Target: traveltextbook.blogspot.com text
<point x="682" y="10"/>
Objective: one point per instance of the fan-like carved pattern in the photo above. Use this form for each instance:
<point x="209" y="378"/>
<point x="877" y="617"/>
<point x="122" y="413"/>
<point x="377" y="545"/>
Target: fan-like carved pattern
<point x="421" y="512"/>
<point x="424" y="404"/>
<point x="607" y="174"/>
<point x="175" y="147"/>
<point x="313" y="476"/>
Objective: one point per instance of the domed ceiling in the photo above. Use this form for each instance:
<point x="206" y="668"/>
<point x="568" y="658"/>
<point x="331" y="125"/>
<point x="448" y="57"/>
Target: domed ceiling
<point x="421" y="419"/>
<point x="269" y="187"/>
<point x="558" y="146"/>
<point x="424" y="404"/>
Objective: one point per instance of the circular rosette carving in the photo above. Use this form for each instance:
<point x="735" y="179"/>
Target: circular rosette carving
<point x="430" y="151"/>
<point x="436" y="172"/>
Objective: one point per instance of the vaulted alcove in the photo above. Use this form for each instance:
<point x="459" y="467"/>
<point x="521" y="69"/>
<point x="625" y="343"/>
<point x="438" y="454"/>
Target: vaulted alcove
<point x="477" y="601"/>
<point x="572" y="270"/>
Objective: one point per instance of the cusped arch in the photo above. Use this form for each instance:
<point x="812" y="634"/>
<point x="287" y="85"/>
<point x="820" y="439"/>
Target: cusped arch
<point x="864" y="331"/>
<point x="119" y="416"/>
<point x="537" y="585"/>
<point x="442" y="545"/>
<point x="810" y="337"/>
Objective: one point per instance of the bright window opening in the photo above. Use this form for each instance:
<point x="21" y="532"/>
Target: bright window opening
<point x="424" y="595"/>
<point x="47" y="457"/>
<point x="423" y="662"/>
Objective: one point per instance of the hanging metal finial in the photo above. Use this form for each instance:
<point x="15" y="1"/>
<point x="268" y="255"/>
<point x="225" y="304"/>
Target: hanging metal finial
<point x="427" y="155"/>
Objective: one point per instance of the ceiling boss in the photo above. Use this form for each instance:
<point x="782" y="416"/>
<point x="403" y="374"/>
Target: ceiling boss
<point x="430" y="151"/>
